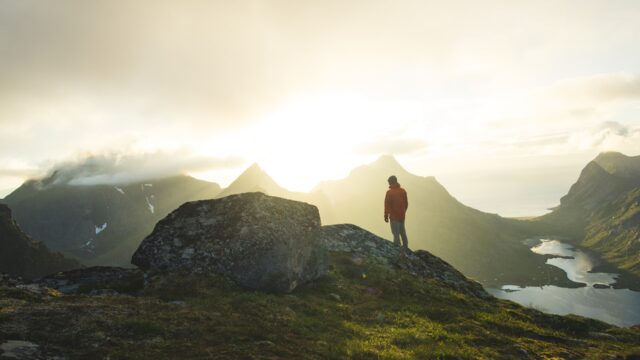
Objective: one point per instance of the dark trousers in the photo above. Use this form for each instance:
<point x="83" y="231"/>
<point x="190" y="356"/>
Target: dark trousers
<point x="398" y="231"/>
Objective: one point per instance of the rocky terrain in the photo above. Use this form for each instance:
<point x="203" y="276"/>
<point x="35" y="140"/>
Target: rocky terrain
<point x="362" y="244"/>
<point x="366" y="299"/>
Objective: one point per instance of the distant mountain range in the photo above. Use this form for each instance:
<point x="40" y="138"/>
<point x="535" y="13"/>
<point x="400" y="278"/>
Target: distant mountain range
<point x="100" y="224"/>
<point x="20" y="255"/>
<point x="602" y="210"/>
<point x="104" y="224"/>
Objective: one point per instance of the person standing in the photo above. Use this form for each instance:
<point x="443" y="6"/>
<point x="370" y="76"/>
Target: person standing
<point x="396" y="203"/>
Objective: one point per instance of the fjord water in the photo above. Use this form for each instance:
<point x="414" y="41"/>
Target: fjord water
<point x="615" y="306"/>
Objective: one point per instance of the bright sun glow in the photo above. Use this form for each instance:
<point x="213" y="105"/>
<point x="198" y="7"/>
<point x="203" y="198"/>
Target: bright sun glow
<point x="317" y="137"/>
<point x="309" y="90"/>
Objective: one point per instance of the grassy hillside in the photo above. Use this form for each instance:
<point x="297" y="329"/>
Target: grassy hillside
<point x="360" y="310"/>
<point x="616" y="233"/>
<point x="602" y="210"/>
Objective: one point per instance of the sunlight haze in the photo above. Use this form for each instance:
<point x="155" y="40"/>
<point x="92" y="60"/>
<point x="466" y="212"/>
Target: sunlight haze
<point x="503" y="102"/>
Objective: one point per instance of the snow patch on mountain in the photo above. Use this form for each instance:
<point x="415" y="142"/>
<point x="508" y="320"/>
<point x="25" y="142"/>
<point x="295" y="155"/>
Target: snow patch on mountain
<point x="100" y="229"/>
<point x="150" y="205"/>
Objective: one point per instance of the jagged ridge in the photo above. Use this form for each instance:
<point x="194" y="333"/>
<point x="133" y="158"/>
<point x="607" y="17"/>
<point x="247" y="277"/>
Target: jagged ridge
<point x="23" y="256"/>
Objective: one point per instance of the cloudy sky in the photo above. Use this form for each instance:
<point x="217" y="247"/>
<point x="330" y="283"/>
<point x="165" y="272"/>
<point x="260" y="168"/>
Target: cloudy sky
<point x="503" y="101"/>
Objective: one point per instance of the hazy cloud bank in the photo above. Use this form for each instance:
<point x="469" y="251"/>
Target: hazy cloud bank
<point x="117" y="168"/>
<point x="596" y="90"/>
<point x="608" y="136"/>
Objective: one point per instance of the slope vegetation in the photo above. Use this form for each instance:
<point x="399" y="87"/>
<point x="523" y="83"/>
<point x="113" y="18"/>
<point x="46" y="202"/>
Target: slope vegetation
<point x="602" y="210"/>
<point x="360" y="309"/>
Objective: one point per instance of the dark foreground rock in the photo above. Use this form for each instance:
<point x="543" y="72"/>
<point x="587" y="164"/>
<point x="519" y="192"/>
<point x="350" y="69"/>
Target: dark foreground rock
<point x="361" y="243"/>
<point x="258" y="241"/>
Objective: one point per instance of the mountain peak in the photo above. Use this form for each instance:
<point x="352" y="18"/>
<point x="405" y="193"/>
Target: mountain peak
<point x="619" y="164"/>
<point x="254" y="167"/>
<point x="254" y="178"/>
<point x="388" y="163"/>
<point x="606" y="156"/>
<point x="595" y="185"/>
<point x="254" y="172"/>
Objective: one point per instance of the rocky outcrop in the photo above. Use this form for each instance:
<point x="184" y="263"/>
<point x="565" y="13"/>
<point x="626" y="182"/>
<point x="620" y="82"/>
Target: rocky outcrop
<point x="268" y="243"/>
<point x="361" y="243"/>
<point x="258" y="241"/>
<point x="20" y="255"/>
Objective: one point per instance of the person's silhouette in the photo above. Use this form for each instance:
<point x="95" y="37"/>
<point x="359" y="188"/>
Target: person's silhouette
<point x="396" y="203"/>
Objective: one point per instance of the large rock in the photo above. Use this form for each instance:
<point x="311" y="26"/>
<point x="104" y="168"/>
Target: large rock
<point x="259" y="241"/>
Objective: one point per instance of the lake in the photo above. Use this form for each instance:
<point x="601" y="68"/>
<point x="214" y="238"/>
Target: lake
<point x="596" y="300"/>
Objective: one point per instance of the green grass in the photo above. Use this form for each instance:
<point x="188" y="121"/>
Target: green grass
<point x="129" y="284"/>
<point x="19" y="294"/>
<point x="386" y="314"/>
<point x="614" y="233"/>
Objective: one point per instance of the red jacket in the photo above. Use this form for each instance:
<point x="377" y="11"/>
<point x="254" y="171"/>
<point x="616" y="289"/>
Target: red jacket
<point x="395" y="203"/>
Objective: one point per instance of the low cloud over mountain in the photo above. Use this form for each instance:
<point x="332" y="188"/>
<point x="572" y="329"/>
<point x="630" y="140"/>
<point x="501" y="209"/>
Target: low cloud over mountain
<point x="115" y="168"/>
